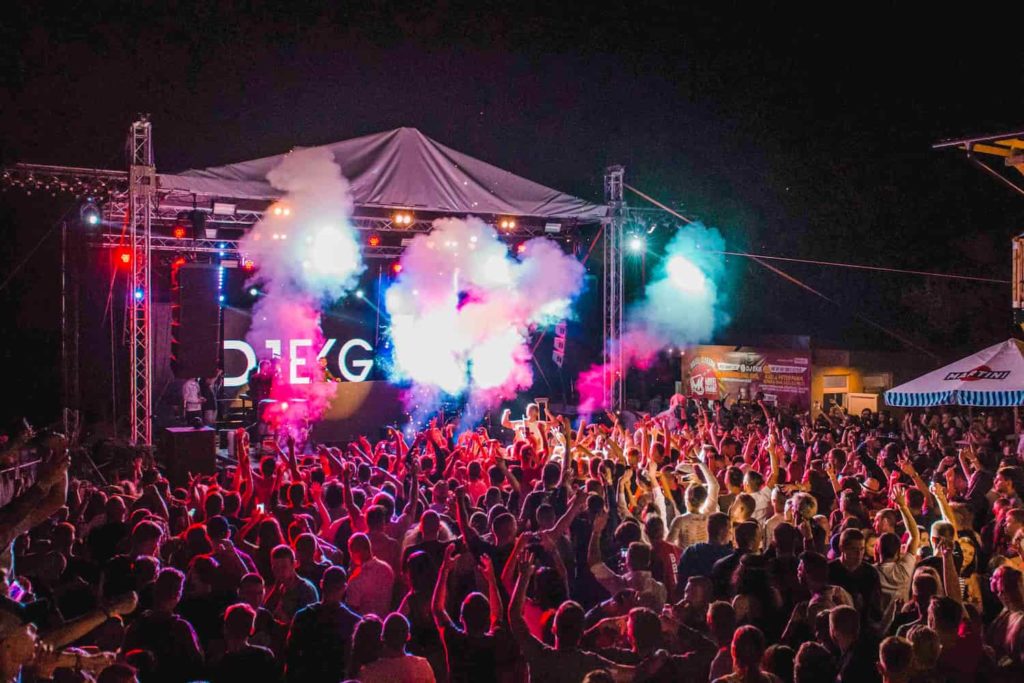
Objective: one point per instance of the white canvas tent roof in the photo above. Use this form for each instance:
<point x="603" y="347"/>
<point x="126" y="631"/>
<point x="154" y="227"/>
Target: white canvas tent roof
<point x="402" y="168"/>
<point x="991" y="378"/>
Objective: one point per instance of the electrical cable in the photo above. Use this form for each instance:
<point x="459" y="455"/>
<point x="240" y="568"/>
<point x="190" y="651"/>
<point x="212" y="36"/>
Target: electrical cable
<point x="794" y="280"/>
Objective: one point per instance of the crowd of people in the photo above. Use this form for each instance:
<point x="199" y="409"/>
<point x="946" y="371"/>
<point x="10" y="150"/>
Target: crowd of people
<point x="739" y="544"/>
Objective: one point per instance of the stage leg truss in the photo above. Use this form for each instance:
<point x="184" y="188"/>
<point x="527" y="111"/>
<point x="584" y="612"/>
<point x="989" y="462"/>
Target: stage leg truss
<point x="614" y="378"/>
<point x="141" y="192"/>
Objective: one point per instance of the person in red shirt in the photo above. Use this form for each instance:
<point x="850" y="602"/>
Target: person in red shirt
<point x="664" y="555"/>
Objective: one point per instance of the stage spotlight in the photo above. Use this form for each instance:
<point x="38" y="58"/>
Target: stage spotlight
<point x="373" y="240"/>
<point x="507" y="224"/>
<point x="685" y="275"/>
<point x="521" y="248"/>
<point x="89" y="213"/>
<point x="248" y="265"/>
<point x="636" y="243"/>
<point x="122" y="256"/>
<point x="139" y="294"/>
<point x="402" y="218"/>
<point x="179" y="232"/>
<point x="220" y="298"/>
<point x="359" y="294"/>
<point x="253" y="292"/>
<point x="396" y="268"/>
<point x="281" y="211"/>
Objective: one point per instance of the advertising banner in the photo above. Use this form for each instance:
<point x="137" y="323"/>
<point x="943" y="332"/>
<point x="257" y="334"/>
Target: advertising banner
<point x="782" y="376"/>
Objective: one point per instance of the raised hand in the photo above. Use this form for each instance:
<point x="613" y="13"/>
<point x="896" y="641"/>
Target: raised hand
<point x="451" y="556"/>
<point x="486" y="567"/>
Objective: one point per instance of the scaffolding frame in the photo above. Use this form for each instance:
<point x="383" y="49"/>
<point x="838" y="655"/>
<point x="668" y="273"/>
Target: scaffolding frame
<point x="135" y="201"/>
<point x="613" y="378"/>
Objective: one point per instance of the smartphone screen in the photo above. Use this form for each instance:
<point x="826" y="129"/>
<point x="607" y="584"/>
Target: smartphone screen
<point x="260" y="508"/>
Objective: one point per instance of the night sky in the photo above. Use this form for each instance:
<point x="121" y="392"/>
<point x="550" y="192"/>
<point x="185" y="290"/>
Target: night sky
<point x="797" y="133"/>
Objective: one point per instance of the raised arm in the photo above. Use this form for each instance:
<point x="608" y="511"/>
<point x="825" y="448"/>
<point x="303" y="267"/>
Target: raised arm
<point x="68" y="633"/>
<point x="562" y="525"/>
<point x="440" y="598"/>
<point x="516" y="621"/>
<point x="493" y="594"/>
<point x="939" y="491"/>
<point x="950" y="576"/>
<point x="355" y="515"/>
<point x="594" y="557"/>
<point x="711" y="504"/>
<point x="914" y="536"/>
<point x="773" y="455"/>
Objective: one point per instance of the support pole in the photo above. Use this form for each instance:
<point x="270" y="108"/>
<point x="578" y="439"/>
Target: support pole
<point x="141" y="192"/>
<point x="614" y="377"/>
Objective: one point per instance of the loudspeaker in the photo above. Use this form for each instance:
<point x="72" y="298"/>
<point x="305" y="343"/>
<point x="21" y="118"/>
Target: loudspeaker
<point x="195" y="320"/>
<point x="187" y="450"/>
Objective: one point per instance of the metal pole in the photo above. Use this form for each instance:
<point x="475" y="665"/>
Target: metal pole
<point x="64" y="314"/>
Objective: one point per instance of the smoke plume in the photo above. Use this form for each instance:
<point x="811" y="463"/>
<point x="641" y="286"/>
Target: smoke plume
<point x="308" y="256"/>
<point x="681" y="306"/>
<point x="462" y="309"/>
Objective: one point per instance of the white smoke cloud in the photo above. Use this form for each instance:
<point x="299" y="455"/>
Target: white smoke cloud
<point x="462" y="309"/>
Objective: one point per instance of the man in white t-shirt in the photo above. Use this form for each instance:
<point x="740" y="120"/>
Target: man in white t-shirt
<point x="394" y="664"/>
<point x="372" y="580"/>
<point x="760" y="488"/>
<point x="896" y="565"/>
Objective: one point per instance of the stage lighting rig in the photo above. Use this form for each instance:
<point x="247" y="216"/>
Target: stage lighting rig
<point x="402" y="219"/>
<point x="373" y="240"/>
<point x="89" y="213"/>
<point x="637" y="243"/>
<point x="507" y="224"/>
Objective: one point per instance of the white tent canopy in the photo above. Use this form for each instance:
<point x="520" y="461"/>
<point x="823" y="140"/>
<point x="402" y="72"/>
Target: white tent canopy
<point x="402" y="168"/>
<point x="992" y="378"/>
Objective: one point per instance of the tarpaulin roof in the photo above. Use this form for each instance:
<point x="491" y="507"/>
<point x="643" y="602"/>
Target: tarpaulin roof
<point x="993" y="378"/>
<point x="402" y="168"/>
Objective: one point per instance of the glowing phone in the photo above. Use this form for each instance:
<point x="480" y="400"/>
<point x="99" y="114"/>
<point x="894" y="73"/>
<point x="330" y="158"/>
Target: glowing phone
<point x="260" y="508"/>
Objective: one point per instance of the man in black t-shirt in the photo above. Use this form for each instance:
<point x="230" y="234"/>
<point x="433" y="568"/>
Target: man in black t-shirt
<point x="860" y="579"/>
<point x="243" y="661"/>
<point x="321" y="634"/>
<point x="482" y="645"/>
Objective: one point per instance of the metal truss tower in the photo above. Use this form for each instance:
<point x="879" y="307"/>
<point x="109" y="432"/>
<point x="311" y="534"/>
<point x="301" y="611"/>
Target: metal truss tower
<point x="614" y="376"/>
<point x="141" y="195"/>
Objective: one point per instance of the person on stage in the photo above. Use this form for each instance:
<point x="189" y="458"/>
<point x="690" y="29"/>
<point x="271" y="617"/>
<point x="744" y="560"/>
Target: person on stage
<point x="192" y="400"/>
<point x="328" y="376"/>
<point x="530" y="425"/>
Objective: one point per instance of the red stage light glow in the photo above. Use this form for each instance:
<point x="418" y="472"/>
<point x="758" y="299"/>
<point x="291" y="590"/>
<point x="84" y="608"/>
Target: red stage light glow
<point x="123" y="256"/>
<point x="248" y="265"/>
<point x="179" y="232"/>
<point x="521" y="248"/>
<point x="373" y="240"/>
<point x="396" y="268"/>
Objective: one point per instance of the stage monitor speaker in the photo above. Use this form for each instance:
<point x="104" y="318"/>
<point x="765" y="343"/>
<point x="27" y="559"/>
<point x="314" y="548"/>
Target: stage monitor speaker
<point x="186" y="450"/>
<point x="195" y="320"/>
